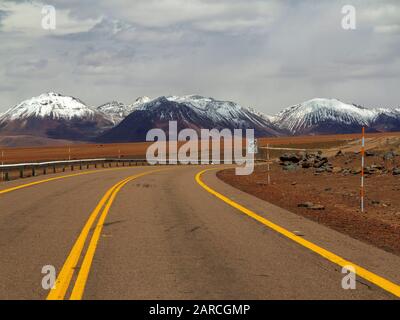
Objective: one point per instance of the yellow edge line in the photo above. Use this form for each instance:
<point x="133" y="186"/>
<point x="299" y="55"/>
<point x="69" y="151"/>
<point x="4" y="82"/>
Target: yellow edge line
<point x="67" y="271"/>
<point x="364" y="273"/>
<point x="57" y="178"/>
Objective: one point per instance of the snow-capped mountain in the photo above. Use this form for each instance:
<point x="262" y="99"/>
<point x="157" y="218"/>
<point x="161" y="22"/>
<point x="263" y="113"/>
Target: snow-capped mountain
<point x="190" y="111"/>
<point x="55" y="116"/>
<point x="330" y="116"/>
<point x="117" y="111"/>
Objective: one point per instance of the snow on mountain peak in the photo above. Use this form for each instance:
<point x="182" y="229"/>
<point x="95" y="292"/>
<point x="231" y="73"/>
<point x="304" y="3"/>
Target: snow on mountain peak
<point x="316" y="111"/>
<point x="143" y="99"/>
<point x="49" y="105"/>
<point x="117" y="111"/>
<point x="212" y="109"/>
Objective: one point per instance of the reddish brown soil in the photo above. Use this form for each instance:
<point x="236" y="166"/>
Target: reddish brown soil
<point x="81" y="151"/>
<point x="378" y="225"/>
<point x="323" y="139"/>
<point x="75" y="151"/>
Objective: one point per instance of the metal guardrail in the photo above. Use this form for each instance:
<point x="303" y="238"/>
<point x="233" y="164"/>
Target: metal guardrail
<point x="21" y="170"/>
<point x="37" y="168"/>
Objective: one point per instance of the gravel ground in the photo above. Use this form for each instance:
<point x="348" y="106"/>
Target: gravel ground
<point x="338" y="194"/>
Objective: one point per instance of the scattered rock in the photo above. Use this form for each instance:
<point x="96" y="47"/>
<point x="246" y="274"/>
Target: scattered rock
<point x="337" y="169"/>
<point x="339" y="154"/>
<point x="305" y="204"/>
<point x="327" y="189"/>
<point x="320" y="163"/>
<point x="294" y="183"/>
<point x="317" y="207"/>
<point x="389" y="155"/>
<point x="370" y="170"/>
<point x="307" y="164"/>
<point x="369" y="153"/>
<point x="298" y="233"/>
<point x="396" y="171"/>
<point x="290" y="157"/>
<point x="356" y="171"/>
<point x="311" y="206"/>
<point x="346" y="171"/>
<point x="375" y="202"/>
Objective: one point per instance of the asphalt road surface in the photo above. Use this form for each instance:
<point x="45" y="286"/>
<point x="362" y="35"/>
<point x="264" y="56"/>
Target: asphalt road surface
<point x="162" y="235"/>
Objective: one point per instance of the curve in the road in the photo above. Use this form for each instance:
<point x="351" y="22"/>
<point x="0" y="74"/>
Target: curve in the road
<point x="360" y="271"/>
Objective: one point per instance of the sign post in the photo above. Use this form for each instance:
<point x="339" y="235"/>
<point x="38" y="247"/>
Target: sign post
<point x="253" y="146"/>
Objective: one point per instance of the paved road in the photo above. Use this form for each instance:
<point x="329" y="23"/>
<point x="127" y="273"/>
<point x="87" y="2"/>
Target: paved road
<point x="166" y="237"/>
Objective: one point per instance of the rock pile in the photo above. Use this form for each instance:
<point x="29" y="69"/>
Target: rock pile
<point x="293" y="161"/>
<point x="320" y="164"/>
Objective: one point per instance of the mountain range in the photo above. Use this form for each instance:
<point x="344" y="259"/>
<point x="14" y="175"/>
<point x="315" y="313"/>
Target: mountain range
<point x="54" y="116"/>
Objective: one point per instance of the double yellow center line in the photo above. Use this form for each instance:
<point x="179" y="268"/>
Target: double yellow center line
<point x="65" y="276"/>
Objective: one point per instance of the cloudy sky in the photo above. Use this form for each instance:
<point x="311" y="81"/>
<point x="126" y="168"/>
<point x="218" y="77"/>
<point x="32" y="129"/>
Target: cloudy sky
<point x="261" y="53"/>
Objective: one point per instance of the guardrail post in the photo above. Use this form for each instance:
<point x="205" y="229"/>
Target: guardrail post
<point x="54" y="169"/>
<point x="72" y="167"/>
<point x="44" y="170"/>
<point x="80" y="165"/>
<point x="63" y="169"/>
<point x="33" y="171"/>
<point x="87" y="166"/>
<point x="21" y="173"/>
<point x="6" y="176"/>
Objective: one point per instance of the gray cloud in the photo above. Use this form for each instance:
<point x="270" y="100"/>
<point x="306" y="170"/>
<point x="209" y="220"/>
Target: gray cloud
<point x="265" y="54"/>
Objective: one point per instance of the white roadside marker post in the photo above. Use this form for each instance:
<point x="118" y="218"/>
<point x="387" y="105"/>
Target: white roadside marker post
<point x="362" y="168"/>
<point x="268" y="176"/>
<point x="2" y="163"/>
